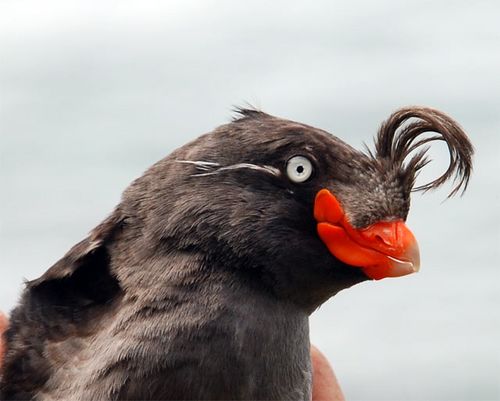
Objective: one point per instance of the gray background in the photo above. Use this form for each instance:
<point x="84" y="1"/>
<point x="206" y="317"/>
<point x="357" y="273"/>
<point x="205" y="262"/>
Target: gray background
<point x="92" y="93"/>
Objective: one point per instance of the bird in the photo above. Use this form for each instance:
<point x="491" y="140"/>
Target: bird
<point x="200" y="283"/>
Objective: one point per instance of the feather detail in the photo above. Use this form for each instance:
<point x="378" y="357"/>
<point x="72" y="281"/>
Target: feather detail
<point x="201" y="165"/>
<point x="211" y="168"/>
<point x="400" y="135"/>
<point x="247" y="112"/>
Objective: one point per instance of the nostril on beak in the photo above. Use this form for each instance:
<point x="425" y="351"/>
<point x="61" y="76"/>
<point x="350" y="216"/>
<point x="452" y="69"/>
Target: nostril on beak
<point x="383" y="235"/>
<point x="380" y="240"/>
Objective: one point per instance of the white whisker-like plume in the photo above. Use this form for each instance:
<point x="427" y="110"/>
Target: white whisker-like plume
<point x="201" y="165"/>
<point x="211" y="168"/>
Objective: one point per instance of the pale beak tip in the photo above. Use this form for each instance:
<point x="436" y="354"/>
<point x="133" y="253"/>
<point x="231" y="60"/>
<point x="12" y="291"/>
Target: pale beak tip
<point x="414" y="256"/>
<point x="407" y="265"/>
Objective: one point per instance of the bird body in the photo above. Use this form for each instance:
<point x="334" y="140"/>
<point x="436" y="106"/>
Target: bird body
<point x="200" y="283"/>
<point x="191" y="345"/>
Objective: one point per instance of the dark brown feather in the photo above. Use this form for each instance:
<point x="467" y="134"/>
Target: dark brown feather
<point x="242" y="113"/>
<point x="402" y="133"/>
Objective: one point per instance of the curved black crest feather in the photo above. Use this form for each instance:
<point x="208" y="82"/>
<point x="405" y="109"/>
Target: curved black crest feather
<point x="401" y="133"/>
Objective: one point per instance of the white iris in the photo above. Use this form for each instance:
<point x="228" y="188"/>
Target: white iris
<point x="299" y="169"/>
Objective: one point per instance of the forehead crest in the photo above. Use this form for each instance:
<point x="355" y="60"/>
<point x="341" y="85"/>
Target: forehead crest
<point x="402" y="134"/>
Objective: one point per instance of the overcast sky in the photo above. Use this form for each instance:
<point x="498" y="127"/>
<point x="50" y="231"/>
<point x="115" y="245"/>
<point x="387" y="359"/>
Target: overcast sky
<point x="92" y="93"/>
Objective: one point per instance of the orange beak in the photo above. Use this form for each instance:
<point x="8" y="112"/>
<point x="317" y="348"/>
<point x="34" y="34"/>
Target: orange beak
<point x="384" y="249"/>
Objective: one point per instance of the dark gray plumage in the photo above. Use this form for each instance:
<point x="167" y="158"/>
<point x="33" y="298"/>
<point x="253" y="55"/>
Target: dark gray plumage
<point x="200" y="283"/>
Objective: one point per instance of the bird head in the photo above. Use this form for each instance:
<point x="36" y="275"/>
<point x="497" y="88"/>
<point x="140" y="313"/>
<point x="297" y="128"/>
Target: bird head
<point x="293" y="208"/>
<point x="286" y="208"/>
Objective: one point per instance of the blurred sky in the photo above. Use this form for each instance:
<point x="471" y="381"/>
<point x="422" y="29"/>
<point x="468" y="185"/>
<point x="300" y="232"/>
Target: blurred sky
<point x="92" y="93"/>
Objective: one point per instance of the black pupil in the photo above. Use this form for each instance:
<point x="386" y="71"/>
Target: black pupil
<point x="300" y="169"/>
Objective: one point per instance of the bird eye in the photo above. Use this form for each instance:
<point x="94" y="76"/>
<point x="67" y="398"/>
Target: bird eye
<point x="299" y="169"/>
